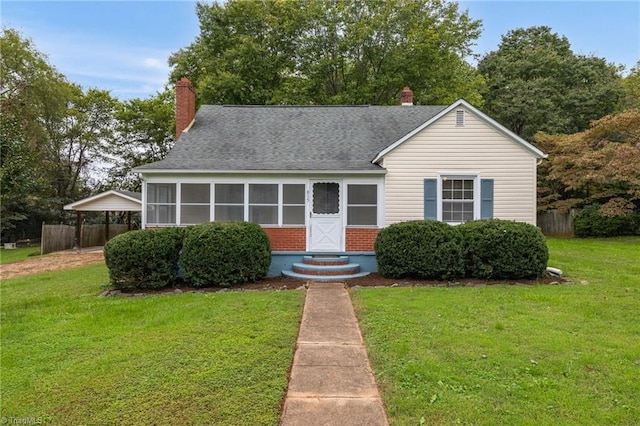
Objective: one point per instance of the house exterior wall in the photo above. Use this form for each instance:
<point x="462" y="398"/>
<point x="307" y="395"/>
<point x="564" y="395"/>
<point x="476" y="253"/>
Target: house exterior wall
<point x="287" y="238"/>
<point x="476" y="148"/>
<point x="360" y="239"/>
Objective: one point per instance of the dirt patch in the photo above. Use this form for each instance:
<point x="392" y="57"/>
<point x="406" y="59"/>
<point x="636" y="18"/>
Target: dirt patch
<point x="50" y="262"/>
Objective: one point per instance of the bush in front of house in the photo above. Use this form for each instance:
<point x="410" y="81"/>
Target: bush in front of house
<point x="501" y="249"/>
<point x="144" y="259"/>
<point x="425" y="249"/>
<point x="225" y="253"/>
<point x="589" y="222"/>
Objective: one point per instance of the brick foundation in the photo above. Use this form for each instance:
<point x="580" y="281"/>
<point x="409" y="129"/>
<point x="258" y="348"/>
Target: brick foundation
<point x="361" y="239"/>
<point x="287" y="239"/>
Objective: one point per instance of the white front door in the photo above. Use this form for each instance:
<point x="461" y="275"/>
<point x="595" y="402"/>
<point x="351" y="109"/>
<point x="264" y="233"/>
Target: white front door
<point x="325" y="224"/>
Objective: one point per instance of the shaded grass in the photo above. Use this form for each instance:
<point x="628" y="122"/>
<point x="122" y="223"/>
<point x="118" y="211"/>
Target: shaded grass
<point x="203" y="358"/>
<point x="17" y="254"/>
<point x="542" y="354"/>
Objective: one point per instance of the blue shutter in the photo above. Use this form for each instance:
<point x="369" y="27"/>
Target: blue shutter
<point x="486" y="198"/>
<point x="431" y="199"/>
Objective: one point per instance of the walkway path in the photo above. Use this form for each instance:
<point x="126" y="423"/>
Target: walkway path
<point x="331" y="381"/>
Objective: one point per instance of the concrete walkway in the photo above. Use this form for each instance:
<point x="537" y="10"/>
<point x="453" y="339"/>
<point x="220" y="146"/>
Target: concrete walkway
<point x="331" y="381"/>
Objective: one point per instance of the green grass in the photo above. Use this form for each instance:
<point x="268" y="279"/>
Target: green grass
<point x="71" y="357"/>
<point x="517" y="355"/>
<point x="17" y="254"/>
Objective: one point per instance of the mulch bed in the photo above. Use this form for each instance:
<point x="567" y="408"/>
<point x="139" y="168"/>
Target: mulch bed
<point x="371" y="280"/>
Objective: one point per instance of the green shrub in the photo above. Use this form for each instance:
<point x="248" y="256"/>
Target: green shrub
<point x="223" y="254"/>
<point x="421" y="249"/>
<point x="589" y="222"/>
<point x="144" y="259"/>
<point x="500" y="249"/>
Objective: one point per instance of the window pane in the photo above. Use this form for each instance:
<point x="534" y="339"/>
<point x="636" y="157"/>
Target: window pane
<point x="365" y="215"/>
<point x="293" y="215"/>
<point x="263" y="194"/>
<point x="195" y="193"/>
<point x="264" y="215"/>
<point x="161" y="213"/>
<point x="293" y="194"/>
<point x="326" y="197"/>
<point x="161" y="192"/>
<point x="229" y="213"/>
<point x="363" y="194"/>
<point x="230" y="193"/>
<point x="194" y="214"/>
<point x="457" y="212"/>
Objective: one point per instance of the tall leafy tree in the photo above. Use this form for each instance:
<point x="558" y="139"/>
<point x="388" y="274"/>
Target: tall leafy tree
<point x="30" y="90"/>
<point x="631" y="85"/>
<point x="534" y="82"/>
<point x="331" y="52"/>
<point x="145" y="133"/>
<point x="600" y="164"/>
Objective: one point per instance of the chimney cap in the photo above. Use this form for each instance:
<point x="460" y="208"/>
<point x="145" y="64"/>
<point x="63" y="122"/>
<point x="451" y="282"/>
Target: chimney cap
<point x="406" y="97"/>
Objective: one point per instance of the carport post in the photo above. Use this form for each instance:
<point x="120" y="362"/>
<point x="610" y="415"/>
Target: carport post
<point x="106" y="226"/>
<point x="78" y="230"/>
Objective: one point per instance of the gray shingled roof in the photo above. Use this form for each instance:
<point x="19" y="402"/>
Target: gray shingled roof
<point x="269" y="138"/>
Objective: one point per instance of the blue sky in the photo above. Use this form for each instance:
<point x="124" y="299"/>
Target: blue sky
<point x="123" y="46"/>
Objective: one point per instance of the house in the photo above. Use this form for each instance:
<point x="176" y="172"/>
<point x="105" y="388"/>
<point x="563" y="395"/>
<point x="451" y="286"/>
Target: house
<point x="326" y="179"/>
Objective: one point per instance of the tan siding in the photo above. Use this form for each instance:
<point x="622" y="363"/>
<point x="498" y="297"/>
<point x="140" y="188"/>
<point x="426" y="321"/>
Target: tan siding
<point x="476" y="147"/>
<point x="110" y="203"/>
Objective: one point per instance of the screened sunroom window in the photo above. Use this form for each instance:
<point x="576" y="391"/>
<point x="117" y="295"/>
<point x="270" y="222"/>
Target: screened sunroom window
<point x="229" y="202"/>
<point x="195" y="203"/>
<point x="457" y="200"/>
<point x="263" y="204"/>
<point x="362" y="205"/>
<point x="161" y="203"/>
<point x="293" y="204"/>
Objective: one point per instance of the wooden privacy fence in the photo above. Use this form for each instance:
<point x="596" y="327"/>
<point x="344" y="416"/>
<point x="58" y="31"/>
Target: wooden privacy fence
<point x="62" y="237"/>
<point x="554" y="223"/>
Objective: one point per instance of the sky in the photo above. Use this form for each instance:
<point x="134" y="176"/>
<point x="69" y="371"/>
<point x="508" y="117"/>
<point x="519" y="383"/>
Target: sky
<point x="123" y="46"/>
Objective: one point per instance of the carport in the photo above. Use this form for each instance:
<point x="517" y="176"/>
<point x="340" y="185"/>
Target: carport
<point x="109" y="201"/>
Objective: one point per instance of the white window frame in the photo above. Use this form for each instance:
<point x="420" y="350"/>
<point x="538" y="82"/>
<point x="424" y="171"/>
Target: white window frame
<point x="460" y="175"/>
<point x="181" y="203"/>
<point x="175" y="205"/>
<point x="377" y="204"/>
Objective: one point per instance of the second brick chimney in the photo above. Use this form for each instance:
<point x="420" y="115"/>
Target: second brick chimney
<point x="185" y="105"/>
<point x="406" y="98"/>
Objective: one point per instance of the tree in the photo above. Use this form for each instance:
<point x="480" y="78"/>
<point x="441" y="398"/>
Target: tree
<point x="145" y="133"/>
<point x="534" y="82"/>
<point x="30" y="89"/>
<point x="597" y="165"/>
<point x="51" y="135"/>
<point x="330" y="52"/>
<point x="631" y="85"/>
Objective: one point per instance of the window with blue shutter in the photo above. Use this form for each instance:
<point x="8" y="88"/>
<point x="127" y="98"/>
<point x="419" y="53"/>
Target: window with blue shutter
<point x="486" y="198"/>
<point x="431" y="199"/>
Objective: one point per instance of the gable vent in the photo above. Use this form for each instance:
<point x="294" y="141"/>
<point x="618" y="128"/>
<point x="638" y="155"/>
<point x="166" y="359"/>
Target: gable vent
<point x="459" y="118"/>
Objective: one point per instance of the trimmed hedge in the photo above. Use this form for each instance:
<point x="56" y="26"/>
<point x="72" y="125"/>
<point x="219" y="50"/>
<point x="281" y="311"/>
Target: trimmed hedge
<point x="500" y="249"/>
<point x="424" y="249"/>
<point x="223" y="254"/>
<point x="144" y="259"/>
<point x="591" y="223"/>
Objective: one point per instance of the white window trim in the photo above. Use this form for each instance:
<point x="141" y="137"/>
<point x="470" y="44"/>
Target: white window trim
<point x="468" y="175"/>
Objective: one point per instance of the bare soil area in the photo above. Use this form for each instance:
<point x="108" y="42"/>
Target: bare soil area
<point x="51" y="262"/>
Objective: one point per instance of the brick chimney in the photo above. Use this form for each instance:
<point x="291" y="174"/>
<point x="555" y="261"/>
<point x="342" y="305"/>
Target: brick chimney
<point x="406" y="98"/>
<point x="185" y="105"/>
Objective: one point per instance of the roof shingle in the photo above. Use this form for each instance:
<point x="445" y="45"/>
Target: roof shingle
<point x="300" y="138"/>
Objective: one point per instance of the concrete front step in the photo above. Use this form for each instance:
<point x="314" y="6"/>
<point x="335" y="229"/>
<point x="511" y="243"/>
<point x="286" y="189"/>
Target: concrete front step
<point x="312" y="269"/>
<point x="327" y="260"/>
<point x="296" y="275"/>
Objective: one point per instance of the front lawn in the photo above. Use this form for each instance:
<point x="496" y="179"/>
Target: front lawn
<point x="70" y="357"/>
<point x="542" y="354"/>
